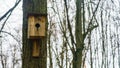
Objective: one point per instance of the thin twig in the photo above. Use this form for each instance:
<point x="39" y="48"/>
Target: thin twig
<point x="8" y="14"/>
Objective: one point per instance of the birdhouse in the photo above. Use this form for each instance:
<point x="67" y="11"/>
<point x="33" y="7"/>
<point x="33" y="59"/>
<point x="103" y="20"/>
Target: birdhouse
<point x="36" y="26"/>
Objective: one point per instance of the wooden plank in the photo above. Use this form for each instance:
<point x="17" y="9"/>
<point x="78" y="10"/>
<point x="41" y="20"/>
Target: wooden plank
<point x="36" y="48"/>
<point x="41" y="31"/>
<point x="31" y="21"/>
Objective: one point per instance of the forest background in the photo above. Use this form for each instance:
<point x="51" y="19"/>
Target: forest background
<point x="100" y="23"/>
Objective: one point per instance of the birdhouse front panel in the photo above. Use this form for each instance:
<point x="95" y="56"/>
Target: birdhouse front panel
<point x="36" y="27"/>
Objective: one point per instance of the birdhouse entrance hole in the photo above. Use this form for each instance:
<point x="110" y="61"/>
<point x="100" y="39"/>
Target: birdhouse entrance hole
<point x="37" y="25"/>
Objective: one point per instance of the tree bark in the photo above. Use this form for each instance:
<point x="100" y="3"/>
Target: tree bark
<point x="28" y="61"/>
<point x="77" y="55"/>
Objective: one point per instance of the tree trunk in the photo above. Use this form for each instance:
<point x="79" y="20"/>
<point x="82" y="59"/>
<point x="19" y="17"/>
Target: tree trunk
<point x="77" y="55"/>
<point x="28" y="61"/>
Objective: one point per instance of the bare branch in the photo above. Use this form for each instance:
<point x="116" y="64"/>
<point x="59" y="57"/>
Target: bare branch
<point x="8" y="13"/>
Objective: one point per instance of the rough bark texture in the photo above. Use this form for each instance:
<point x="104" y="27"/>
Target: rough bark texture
<point x="37" y="7"/>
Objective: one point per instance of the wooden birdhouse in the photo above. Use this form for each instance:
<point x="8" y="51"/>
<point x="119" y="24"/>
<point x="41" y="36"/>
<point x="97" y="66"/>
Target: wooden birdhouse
<point x="36" y="31"/>
<point x="36" y="26"/>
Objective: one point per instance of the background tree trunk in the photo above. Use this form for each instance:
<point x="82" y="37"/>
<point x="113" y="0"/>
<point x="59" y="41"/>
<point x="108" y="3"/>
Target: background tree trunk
<point x="77" y="55"/>
<point x="37" y="7"/>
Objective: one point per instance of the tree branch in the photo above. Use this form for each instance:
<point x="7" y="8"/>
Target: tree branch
<point x="8" y="13"/>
